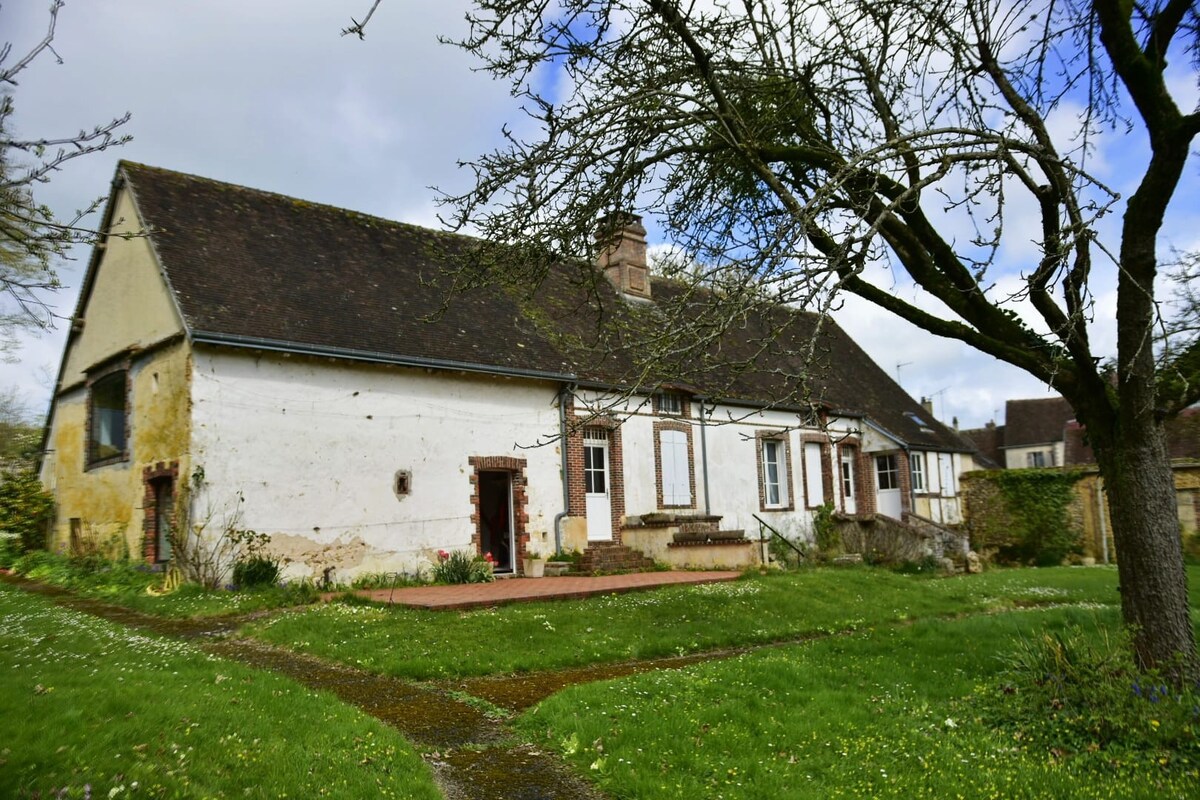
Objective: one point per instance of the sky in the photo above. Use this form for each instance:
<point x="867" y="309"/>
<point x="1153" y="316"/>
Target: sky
<point x="268" y="94"/>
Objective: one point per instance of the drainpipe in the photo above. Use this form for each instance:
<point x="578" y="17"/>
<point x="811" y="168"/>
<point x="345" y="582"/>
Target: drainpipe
<point x="704" y="455"/>
<point x="912" y="493"/>
<point x="562" y="446"/>
<point x="1100" y="517"/>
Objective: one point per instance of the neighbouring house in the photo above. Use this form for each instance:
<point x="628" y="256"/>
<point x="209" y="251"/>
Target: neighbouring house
<point x="1044" y="433"/>
<point x="254" y="361"/>
<point x="1031" y="436"/>
<point x="1183" y="448"/>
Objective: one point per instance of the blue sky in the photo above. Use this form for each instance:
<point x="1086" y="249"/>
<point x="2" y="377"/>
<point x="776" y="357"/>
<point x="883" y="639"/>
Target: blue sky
<point x="268" y="94"/>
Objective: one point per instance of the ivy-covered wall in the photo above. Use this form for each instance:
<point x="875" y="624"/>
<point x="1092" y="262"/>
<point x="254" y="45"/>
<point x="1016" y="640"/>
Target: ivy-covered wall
<point x="1025" y="516"/>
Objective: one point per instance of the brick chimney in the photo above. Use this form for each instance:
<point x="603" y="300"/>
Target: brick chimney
<point x="621" y="241"/>
<point x="927" y="404"/>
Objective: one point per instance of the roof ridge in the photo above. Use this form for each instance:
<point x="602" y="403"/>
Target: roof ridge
<point x="300" y="202"/>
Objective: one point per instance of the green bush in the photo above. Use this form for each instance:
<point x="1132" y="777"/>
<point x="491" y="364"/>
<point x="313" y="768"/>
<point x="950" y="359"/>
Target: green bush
<point x="1069" y="692"/>
<point x="10" y="549"/>
<point x="256" y="570"/>
<point x="1191" y="548"/>
<point x="25" y="508"/>
<point x="825" y="528"/>
<point x="461" y="566"/>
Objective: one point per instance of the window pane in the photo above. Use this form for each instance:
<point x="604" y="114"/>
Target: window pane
<point x="108" y="417"/>
<point x="918" y="472"/>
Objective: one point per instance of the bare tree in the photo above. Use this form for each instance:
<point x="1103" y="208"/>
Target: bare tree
<point x="32" y="238"/>
<point x="809" y="147"/>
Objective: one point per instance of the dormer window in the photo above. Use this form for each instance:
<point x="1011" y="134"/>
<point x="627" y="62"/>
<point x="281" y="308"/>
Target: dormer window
<point x="668" y="404"/>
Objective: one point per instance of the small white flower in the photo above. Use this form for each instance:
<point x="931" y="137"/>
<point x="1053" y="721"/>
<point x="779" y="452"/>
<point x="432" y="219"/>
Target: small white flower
<point x="950" y="723"/>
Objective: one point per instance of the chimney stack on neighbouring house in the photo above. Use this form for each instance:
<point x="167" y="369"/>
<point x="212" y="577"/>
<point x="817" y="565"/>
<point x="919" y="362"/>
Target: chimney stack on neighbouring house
<point x="927" y="404"/>
<point x="621" y="241"/>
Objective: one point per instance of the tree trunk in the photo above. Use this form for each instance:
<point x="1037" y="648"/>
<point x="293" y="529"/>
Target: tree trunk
<point x="1145" y="524"/>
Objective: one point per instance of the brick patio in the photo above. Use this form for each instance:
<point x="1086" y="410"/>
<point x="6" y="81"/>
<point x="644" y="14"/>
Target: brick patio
<point x="524" y="590"/>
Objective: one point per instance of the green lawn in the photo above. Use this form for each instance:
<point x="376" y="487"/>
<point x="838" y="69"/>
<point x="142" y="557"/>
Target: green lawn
<point x="909" y="711"/>
<point x="757" y="609"/>
<point x="927" y="709"/>
<point x="126" y="584"/>
<point x="86" y="703"/>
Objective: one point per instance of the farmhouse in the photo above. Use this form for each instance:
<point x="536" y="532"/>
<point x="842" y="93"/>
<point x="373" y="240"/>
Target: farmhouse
<point x="254" y="361"/>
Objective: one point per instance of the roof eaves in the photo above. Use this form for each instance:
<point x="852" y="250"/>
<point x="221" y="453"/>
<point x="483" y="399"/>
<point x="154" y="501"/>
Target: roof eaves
<point x="369" y="356"/>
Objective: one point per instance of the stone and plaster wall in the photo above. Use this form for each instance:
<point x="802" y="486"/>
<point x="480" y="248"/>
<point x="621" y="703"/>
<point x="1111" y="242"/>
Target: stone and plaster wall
<point x="128" y="322"/>
<point x="314" y="446"/>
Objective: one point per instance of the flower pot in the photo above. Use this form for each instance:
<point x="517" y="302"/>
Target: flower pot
<point x="534" y="567"/>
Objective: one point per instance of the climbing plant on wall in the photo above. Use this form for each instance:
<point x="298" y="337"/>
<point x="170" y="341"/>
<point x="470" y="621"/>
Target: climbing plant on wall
<point x="1023" y="516"/>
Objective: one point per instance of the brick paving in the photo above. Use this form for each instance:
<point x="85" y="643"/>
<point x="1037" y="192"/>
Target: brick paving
<point x="524" y="590"/>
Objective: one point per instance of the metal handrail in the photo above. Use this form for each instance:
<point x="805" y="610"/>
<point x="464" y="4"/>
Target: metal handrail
<point x="762" y="523"/>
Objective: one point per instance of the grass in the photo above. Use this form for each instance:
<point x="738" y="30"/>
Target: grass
<point x="92" y="709"/>
<point x="125" y="584"/>
<point x="910" y="711"/>
<point x="422" y="644"/>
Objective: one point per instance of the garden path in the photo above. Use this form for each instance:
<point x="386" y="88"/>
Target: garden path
<point x="473" y="756"/>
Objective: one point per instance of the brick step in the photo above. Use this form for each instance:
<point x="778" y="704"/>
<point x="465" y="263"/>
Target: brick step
<point x="701" y="526"/>
<point x="612" y="557"/>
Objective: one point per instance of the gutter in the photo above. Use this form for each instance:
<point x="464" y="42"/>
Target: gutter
<point x="704" y="454"/>
<point x="371" y="356"/>
<point x="566" y="492"/>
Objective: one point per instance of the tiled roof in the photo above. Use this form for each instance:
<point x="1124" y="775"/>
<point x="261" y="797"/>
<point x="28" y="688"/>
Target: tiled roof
<point x="260" y="269"/>
<point x="988" y="440"/>
<point x="1182" y="432"/>
<point x="1028" y="422"/>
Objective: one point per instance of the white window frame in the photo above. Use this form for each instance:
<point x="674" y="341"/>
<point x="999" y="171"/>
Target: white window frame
<point x="916" y="463"/>
<point x="778" y="448"/>
<point x="669" y="404"/>
<point x="892" y="470"/>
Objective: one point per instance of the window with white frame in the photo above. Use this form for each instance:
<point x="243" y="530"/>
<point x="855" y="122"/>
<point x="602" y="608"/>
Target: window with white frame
<point x="917" y="467"/>
<point x="774" y="473"/>
<point x="849" y="455"/>
<point x="887" y="471"/>
<point x="669" y="404"/>
<point x="1035" y="459"/>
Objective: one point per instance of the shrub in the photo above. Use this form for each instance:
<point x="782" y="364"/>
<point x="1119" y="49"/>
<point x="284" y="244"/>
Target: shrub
<point x="1074" y="694"/>
<point x="825" y="529"/>
<point x="256" y="570"/>
<point x="784" y="554"/>
<point x="25" y="508"/>
<point x="1191" y="548"/>
<point x="10" y="549"/>
<point x="461" y="566"/>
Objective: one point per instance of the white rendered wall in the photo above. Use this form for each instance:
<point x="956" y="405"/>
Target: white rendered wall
<point x="732" y="460"/>
<point x="313" y="447"/>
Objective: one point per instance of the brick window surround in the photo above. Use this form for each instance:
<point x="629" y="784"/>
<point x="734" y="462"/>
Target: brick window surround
<point x="787" y="483"/>
<point x="666" y="425"/>
<point x="96" y="375"/>
<point x="864" y="478"/>
<point x="685" y="405"/>
<point x="515" y="467"/>
<point x="826" y="471"/>
<point x="151" y="478"/>
<point x="903" y="478"/>
<point x="577" y="500"/>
